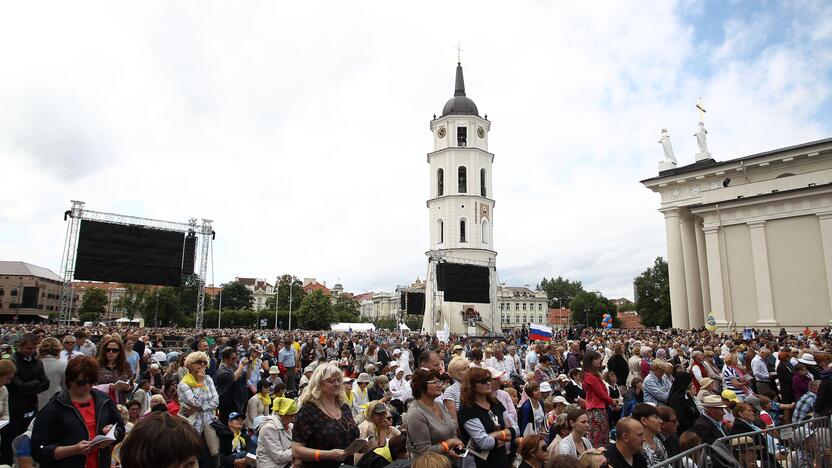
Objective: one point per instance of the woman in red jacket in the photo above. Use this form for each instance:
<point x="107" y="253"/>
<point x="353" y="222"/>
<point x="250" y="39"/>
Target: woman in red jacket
<point x="597" y="399"/>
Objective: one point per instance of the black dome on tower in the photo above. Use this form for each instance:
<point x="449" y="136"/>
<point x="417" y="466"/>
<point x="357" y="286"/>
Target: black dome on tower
<point x="460" y="104"/>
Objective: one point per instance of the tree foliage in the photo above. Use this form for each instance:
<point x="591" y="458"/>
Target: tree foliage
<point x="93" y="304"/>
<point x="315" y="311"/>
<point x="346" y="310"/>
<point x="560" y="291"/>
<point x="653" y="291"/>
<point x="588" y="309"/>
<point x="283" y="292"/>
<point x="133" y="300"/>
<point x="236" y="296"/>
<point x="164" y="308"/>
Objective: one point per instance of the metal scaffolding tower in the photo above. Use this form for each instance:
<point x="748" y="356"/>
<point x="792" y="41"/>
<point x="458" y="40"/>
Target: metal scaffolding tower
<point x="77" y="213"/>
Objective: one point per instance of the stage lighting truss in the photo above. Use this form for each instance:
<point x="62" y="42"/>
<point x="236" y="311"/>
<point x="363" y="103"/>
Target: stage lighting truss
<point x="203" y="230"/>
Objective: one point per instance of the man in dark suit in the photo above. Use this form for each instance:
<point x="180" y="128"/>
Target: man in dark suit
<point x="29" y="380"/>
<point x="383" y="356"/>
<point x="709" y="425"/>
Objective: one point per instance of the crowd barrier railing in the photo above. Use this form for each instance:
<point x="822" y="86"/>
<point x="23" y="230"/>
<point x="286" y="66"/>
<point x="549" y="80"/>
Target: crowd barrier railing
<point x="804" y="444"/>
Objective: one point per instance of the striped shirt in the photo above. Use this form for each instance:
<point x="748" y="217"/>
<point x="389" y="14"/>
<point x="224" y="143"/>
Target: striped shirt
<point x="728" y="375"/>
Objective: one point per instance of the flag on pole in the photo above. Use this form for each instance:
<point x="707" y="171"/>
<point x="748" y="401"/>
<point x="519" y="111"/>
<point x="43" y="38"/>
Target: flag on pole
<point x="710" y="322"/>
<point x="539" y="332"/>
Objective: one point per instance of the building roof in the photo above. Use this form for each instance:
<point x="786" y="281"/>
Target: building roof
<point x="364" y="296"/>
<point x="27" y="269"/>
<point x="460" y="104"/>
<point x="314" y="285"/>
<point x="710" y="163"/>
<point x="630" y="320"/>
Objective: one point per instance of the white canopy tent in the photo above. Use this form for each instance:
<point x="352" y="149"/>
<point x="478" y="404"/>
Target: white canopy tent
<point x="358" y="327"/>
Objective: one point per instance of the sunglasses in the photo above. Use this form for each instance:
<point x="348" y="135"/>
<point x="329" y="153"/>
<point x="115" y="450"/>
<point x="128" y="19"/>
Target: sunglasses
<point x="113" y="350"/>
<point x="483" y="381"/>
<point x="433" y="382"/>
<point x="82" y="382"/>
<point x="201" y="363"/>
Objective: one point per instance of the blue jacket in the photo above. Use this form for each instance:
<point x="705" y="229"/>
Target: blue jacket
<point x="525" y="417"/>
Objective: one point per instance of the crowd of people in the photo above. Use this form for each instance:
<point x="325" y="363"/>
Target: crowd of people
<point x="119" y="397"/>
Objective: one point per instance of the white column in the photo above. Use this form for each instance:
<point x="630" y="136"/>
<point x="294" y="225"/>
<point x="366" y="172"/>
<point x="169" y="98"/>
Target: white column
<point x="712" y="248"/>
<point x="703" y="266"/>
<point x="676" y="270"/>
<point x="693" y="283"/>
<point x="762" y="275"/>
<point x="826" y="240"/>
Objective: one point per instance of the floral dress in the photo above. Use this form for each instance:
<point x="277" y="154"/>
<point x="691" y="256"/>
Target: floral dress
<point x="317" y="430"/>
<point x="654" y="456"/>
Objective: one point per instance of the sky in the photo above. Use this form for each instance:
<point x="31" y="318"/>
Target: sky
<point x="301" y="128"/>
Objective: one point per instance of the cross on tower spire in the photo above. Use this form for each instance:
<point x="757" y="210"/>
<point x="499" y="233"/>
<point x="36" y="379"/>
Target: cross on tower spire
<point x="702" y="110"/>
<point x="458" y="53"/>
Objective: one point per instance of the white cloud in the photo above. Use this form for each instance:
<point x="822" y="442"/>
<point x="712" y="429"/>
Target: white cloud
<point x="301" y="129"/>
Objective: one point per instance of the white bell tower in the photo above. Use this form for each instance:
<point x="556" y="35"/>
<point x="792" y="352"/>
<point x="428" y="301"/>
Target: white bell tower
<point x="461" y="213"/>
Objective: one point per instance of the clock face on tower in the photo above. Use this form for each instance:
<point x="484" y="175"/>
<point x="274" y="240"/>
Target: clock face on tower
<point x="441" y="132"/>
<point x="481" y="132"/>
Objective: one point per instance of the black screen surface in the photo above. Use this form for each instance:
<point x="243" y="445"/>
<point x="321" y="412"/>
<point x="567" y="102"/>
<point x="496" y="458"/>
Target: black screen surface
<point x="464" y="283"/>
<point x="129" y="254"/>
<point x="416" y="303"/>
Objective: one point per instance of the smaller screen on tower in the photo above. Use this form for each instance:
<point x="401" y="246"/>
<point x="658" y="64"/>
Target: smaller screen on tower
<point x="415" y="303"/>
<point x="464" y="283"/>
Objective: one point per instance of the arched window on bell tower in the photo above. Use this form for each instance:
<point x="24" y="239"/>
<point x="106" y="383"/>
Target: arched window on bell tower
<point x="482" y="183"/>
<point x="462" y="178"/>
<point x="486" y="232"/>
<point x="462" y="230"/>
<point x="440" y="230"/>
<point x="440" y="182"/>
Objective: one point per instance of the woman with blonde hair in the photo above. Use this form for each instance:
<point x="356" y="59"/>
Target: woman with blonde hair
<point x="324" y="426"/>
<point x="198" y="399"/>
<point x="49" y="351"/>
<point x="735" y="377"/>
<point x="7" y="370"/>
<point x="592" y="458"/>
<point x="431" y="460"/>
<point x="377" y="424"/>
<point x="457" y="369"/>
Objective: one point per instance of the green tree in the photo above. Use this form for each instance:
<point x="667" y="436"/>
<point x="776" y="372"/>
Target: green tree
<point x="236" y="296"/>
<point x="588" y="309"/>
<point x="653" y="292"/>
<point x="93" y="305"/>
<point x="346" y="310"/>
<point x="132" y="302"/>
<point x="188" y="294"/>
<point x="560" y="291"/>
<point x="298" y="293"/>
<point x="315" y="311"/>
<point x="165" y="307"/>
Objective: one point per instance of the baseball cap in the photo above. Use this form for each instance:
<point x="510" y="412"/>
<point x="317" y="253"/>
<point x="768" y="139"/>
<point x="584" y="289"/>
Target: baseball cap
<point x="236" y="415"/>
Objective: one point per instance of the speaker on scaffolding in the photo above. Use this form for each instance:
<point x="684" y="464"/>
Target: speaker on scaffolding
<point x="189" y="254"/>
<point x="416" y="303"/>
<point x="129" y="254"/>
<point x="464" y="283"/>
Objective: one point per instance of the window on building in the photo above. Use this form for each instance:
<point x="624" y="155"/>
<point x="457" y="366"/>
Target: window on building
<point x="13" y="292"/>
<point x="2" y="292"/>
<point x="440" y="182"/>
<point x="440" y="226"/>
<point x="539" y="307"/>
<point x="524" y="306"/>
<point x="486" y="232"/>
<point x="462" y="230"/>
<point x="482" y="182"/>
<point x="516" y="306"/>
<point x="462" y="179"/>
<point x="462" y="136"/>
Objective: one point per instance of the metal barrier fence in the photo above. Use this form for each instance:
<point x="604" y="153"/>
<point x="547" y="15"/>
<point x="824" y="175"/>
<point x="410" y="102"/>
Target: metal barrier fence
<point x="805" y="444"/>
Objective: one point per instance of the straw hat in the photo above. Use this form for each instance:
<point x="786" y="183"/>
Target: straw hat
<point x="363" y="378"/>
<point x="704" y="383"/>
<point x="713" y="401"/>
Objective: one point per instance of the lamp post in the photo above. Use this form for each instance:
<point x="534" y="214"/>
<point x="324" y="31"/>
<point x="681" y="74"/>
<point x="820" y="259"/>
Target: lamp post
<point x="156" y="316"/>
<point x="219" y="316"/>
<point x="290" y="301"/>
<point x="276" y="296"/>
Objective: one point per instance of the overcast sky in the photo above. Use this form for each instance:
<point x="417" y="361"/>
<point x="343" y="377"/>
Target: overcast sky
<point x="301" y="128"/>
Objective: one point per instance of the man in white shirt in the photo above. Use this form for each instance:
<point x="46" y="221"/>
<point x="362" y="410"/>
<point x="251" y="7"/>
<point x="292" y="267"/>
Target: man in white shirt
<point x="518" y="363"/>
<point x="69" y="349"/>
<point x="532" y="359"/>
<point x="761" y="373"/>
<point x="501" y="362"/>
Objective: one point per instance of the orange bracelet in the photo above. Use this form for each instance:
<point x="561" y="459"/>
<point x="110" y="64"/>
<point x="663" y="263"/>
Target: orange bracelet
<point x="445" y="446"/>
<point x="317" y="455"/>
